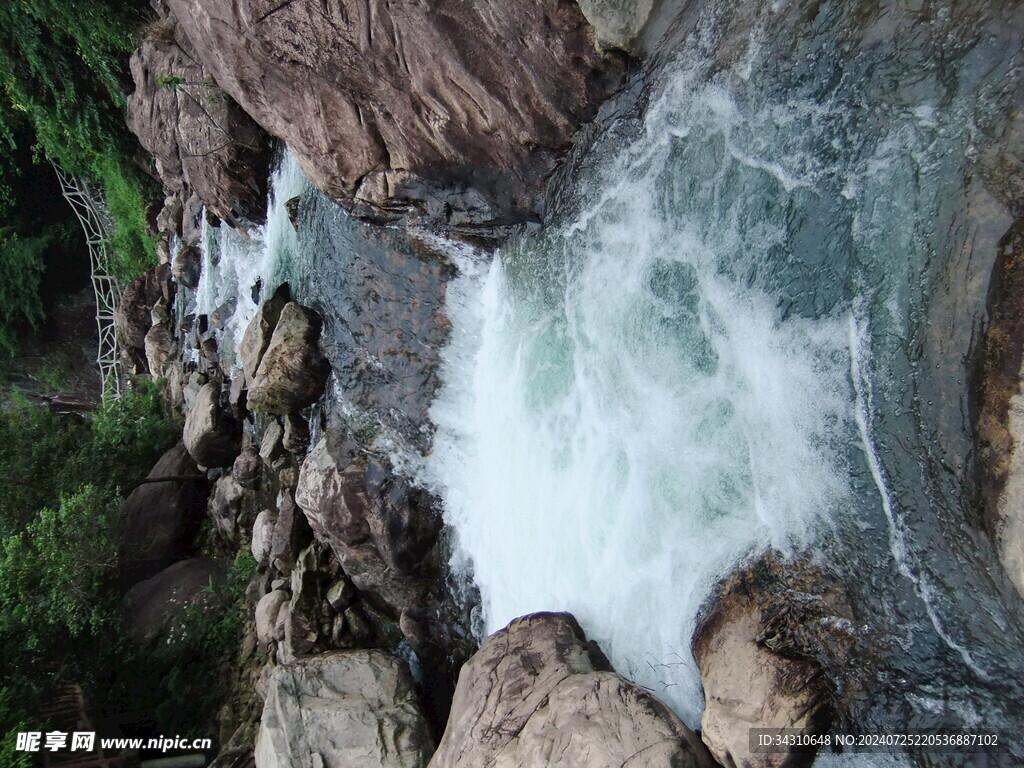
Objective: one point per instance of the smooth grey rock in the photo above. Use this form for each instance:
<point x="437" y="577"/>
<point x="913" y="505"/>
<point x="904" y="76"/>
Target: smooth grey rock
<point x="262" y="536"/>
<point x="269" y="617"/>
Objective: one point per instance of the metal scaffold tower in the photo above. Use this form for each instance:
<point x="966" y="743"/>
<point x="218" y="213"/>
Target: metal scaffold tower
<point x="87" y="202"/>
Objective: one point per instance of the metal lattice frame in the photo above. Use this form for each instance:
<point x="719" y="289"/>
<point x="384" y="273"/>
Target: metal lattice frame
<point x="87" y="202"/>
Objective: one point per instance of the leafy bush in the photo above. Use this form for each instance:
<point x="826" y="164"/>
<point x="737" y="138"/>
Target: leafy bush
<point x="21" y="276"/>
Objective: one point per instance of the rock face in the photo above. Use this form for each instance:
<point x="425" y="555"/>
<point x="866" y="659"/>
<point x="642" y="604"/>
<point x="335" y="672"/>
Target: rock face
<point x="161" y="519"/>
<point x="381" y="530"/>
<point x="292" y="373"/>
<point x="761" y="649"/>
<point x="1000" y="413"/>
<point x="458" y="106"/>
<point x="198" y="135"/>
<point x="133" y="317"/>
<point x="538" y="694"/>
<point x="211" y="436"/>
<point x="151" y="605"/>
<point x="336" y="710"/>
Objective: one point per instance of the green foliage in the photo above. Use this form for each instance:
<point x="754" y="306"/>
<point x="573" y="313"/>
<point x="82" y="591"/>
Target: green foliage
<point x="14" y="719"/>
<point x="21" y="275"/>
<point x="62" y="65"/>
<point x="35" y="446"/>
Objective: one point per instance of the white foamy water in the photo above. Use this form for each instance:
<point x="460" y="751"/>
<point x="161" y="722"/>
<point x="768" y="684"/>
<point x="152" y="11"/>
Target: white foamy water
<point x="234" y="262"/>
<point x="625" y="416"/>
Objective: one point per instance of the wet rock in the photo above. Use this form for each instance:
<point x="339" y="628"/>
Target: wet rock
<point x="270" y="618"/>
<point x="152" y="605"/>
<point x="187" y="265"/>
<point x="198" y="135"/>
<point x="237" y="398"/>
<point x="211" y="436"/>
<point x="159" y="343"/>
<point x="256" y="337"/>
<point x="133" y="317"/>
<point x="346" y="708"/>
<point x="761" y="648"/>
<point x="414" y="102"/>
<point x="161" y="519"/>
<point x="248" y="468"/>
<point x="538" y="694"/>
<point x="296" y="434"/>
<point x="262" y="536"/>
<point x="292" y="206"/>
<point x="292" y="373"/>
<point x="382" y="531"/>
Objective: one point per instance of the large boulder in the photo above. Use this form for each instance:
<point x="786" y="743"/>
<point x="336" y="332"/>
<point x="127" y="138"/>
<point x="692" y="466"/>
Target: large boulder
<point x="769" y="649"/>
<point x="538" y="695"/>
<point x="152" y="605"/>
<point x="160" y="519"/>
<point x="199" y="137"/>
<point x="337" y="710"/>
<point x="211" y="435"/>
<point x="256" y="337"/>
<point x="382" y="530"/>
<point x="292" y="373"/>
<point x="465" y="106"/>
<point x="619" y="23"/>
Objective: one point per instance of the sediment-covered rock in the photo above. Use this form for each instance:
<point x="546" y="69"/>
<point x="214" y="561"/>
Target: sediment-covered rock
<point x="212" y="437"/>
<point x="538" y="694"/>
<point x="354" y="708"/>
<point x="450" y="105"/>
<point x="199" y="137"/>
<point x="160" y="519"/>
<point x="292" y="373"/>
<point x="761" y="649"/>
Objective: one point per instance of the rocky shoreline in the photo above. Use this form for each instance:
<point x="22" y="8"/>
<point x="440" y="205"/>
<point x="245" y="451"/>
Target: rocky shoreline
<point x="358" y="651"/>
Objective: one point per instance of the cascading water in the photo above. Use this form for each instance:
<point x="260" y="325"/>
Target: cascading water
<point x="741" y="327"/>
<point x="744" y="325"/>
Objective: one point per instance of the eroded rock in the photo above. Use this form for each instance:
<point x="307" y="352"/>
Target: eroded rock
<point x="342" y="709"/>
<point x="417" y="103"/>
<point x="538" y="694"/>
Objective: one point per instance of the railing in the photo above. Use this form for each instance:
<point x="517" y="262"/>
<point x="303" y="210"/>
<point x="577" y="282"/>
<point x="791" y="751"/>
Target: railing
<point x="87" y="202"/>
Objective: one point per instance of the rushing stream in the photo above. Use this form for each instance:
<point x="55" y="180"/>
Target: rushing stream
<point x="746" y="324"/>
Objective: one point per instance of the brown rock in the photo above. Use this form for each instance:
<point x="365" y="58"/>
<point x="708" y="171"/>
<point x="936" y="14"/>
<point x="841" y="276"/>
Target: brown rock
<point x="133" y="317"/>
<point x="538" y="694"/>
<point x="256" y="337"/>
<point x="198" y="135"/>
<point x="759" y="649"/>
<point x="292" y="373"/>
<point x="187" y="266"/>
<point x="248" y="468"/>
<point x="211" y="436"/>
<point x="296" y="434"/>
<point x="159" y="343"/>
<point x="382" y="531"/>
<point x="161" y="519"/>
<point x="465" y="105"/>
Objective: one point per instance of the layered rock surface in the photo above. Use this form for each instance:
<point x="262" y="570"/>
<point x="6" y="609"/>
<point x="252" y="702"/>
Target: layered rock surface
<point x="337" y="710"/>
<point x="448" y="105"/>
<point x="200" y="138"/>
<point x="538" y="694"/>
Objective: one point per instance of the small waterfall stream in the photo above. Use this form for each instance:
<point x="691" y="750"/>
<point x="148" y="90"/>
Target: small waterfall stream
<point x="745" y="325"/>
